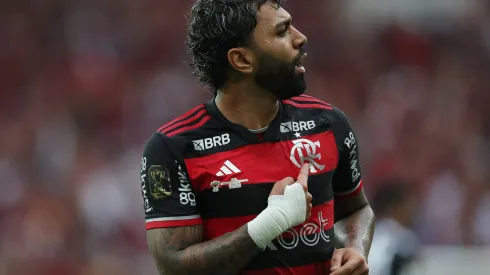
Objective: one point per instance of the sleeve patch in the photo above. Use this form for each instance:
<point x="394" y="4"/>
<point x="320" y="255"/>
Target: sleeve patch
<point x="159" y="181"/>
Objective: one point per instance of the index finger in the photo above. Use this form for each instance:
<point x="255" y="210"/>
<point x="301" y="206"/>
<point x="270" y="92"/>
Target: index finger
<point x="303" y="174"/>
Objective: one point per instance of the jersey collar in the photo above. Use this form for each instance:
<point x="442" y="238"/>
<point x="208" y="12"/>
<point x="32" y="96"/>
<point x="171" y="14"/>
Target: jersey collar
<point x="271" y="134"/>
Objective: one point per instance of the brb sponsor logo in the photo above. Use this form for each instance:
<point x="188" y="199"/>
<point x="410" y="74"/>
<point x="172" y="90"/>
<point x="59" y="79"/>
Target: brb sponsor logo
<point x="310" y="234"/>
<point x="305" y="151"/>
<point x="293" y="126"/>
<point x="208" y="143"/>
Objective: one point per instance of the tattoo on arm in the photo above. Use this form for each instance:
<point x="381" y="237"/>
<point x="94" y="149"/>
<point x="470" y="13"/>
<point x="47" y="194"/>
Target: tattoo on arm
<point x="180" y="251"/>
<point x="354" y="224"/>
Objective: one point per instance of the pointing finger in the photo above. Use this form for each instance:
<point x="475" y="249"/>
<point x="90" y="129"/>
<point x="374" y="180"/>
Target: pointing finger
<point x="303" y="174"/>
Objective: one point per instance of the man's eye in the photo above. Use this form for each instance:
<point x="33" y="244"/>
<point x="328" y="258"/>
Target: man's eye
<point x="283" y="33"/>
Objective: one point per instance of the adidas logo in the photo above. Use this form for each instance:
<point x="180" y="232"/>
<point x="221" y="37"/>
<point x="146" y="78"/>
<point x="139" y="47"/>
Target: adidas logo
<point x="228" y="169"/>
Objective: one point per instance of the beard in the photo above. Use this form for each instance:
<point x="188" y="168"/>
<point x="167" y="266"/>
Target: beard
<point x="280" y="77"/>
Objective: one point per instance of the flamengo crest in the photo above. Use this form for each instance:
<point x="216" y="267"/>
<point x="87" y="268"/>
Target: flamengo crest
<point x="304" y="151"/>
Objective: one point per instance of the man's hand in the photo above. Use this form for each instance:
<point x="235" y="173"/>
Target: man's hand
<point x="347" y="261"/>
<point x="280" y="186"/>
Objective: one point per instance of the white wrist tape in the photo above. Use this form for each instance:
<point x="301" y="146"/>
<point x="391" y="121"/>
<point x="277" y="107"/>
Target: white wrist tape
<point x="282" y="213"/>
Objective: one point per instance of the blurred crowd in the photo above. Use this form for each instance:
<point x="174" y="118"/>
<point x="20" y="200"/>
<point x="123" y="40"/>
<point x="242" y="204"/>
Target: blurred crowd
<point x="85" y="83"/>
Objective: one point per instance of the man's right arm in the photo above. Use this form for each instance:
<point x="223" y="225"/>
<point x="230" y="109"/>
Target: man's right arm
<point x="173" y="222"/>
<point x="179" y="250"/>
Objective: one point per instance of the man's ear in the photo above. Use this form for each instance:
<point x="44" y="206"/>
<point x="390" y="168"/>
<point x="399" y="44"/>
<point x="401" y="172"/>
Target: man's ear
<point x="242" y="60"/>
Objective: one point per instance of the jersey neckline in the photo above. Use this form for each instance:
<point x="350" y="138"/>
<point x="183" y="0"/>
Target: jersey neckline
<point x="270" y="135"/>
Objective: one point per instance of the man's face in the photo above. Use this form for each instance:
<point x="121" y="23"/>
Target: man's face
<point x="279" y="52"/>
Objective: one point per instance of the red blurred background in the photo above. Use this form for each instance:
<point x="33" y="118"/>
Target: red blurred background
<point x="85" y="83"/>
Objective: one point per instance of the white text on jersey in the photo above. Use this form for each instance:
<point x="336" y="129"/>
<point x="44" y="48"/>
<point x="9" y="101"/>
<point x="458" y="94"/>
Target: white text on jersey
<point x="293" y="126"/>
<point x="148" y="208"/>
<point x="186" y="196"/>
<point x="208" y="143"/>
<point x="350" y="142"/>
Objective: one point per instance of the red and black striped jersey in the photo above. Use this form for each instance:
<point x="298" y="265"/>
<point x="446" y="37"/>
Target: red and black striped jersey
<point x="201" y="169"/>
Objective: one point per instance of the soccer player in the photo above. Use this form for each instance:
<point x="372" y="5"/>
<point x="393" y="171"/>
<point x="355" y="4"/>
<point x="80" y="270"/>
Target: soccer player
<point x="248" y="182"/>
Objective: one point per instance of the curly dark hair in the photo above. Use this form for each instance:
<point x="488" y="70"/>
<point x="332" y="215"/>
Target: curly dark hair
<point x="215" y="27"/>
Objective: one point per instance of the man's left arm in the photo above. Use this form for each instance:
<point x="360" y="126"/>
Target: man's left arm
<point x="354" y="218"/>
<point x="354" y="223"/>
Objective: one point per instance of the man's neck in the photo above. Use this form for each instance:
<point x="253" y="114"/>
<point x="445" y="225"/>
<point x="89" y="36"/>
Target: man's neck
<point x="250" y="107"/>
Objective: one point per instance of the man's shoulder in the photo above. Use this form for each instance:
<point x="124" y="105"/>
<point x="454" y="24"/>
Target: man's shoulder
<point x="306" y="102"/>
<point x="187" y="122"/>
<point x="174" y="136"/>
<point x="307" y="105"/>
<point x="309" y="108"/>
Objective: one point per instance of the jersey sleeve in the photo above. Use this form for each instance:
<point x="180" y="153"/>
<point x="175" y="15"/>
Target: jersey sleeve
<point x="169" y="199"/>
<point x="347" y="180"/>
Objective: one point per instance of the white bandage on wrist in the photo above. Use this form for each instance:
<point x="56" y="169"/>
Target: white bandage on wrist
<point x="282" y="213"/>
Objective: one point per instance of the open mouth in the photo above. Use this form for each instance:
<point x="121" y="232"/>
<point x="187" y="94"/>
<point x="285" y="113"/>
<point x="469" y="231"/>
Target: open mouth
<point x="300" y="61"/>
<point x="299" y="66"/>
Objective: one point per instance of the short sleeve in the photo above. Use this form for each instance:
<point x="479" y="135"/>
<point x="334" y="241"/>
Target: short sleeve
<point x="347" y="179"/>
<point x="169" y="199"/>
